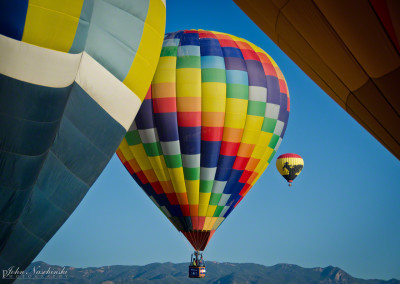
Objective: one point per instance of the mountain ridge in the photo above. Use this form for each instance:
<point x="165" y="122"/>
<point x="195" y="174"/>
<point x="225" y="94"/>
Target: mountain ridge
<point x="217" y="272"/>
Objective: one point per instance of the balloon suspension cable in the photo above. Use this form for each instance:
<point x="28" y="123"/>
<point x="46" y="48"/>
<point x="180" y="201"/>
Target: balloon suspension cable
<point x="193" y="237"/>
<point x="197" y="254"/>
<point x="204" y="239"/>
<point x="190" y="242"/>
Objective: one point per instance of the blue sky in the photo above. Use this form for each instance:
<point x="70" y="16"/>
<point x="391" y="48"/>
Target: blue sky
<point x="343" y="210"/>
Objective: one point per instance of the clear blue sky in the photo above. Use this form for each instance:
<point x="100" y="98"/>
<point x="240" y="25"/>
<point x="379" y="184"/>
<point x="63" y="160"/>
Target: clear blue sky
<point x="343" y="210"/>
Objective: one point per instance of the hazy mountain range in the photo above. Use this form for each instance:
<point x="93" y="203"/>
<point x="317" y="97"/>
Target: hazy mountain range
<point x="177" y="273"/>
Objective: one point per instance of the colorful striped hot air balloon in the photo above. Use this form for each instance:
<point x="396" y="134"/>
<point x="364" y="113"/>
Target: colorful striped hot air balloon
<point x="73" y="74"/>
<point x="209" y="126"/>
<point x="289" y="166"/>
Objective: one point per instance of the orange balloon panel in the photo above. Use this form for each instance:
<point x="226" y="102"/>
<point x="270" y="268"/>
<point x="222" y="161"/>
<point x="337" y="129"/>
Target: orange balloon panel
<point x="351" y="49"/>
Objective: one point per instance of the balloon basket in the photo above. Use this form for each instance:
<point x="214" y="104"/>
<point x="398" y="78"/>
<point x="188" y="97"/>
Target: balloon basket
<point x="197" y="267"/>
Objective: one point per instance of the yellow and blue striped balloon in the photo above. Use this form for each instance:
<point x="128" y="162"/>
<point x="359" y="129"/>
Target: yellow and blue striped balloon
<point x="73" y="74"/>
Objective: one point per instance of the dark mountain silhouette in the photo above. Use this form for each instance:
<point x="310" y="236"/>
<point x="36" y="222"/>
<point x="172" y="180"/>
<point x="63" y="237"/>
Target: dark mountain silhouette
<point x="216" y="273"/>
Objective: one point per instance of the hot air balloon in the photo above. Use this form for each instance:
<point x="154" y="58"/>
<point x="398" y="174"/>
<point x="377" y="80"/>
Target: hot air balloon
<point x="289" y="166"/>
<point x="73" y="74"/>
<point x="351" y="49"/>
<point x="209" y="126"/>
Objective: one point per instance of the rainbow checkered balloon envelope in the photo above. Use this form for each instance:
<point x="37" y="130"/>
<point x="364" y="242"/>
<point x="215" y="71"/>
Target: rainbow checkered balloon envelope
<point x="210" y="124"/>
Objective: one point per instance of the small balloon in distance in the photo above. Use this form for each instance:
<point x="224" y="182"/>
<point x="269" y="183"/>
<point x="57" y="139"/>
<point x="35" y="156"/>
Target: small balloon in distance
<point x="289" y="166"/>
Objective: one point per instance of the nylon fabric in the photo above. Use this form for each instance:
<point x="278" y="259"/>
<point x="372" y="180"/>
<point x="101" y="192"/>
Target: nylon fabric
<point x="209" y="126"/>
<point x="69" y="91"/>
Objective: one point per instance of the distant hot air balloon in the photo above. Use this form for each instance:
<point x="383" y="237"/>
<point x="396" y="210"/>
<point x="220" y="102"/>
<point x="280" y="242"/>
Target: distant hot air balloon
<point x="73" y="74"/>
<point x="289" y="166"/>
<point x="209" y="126"/>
